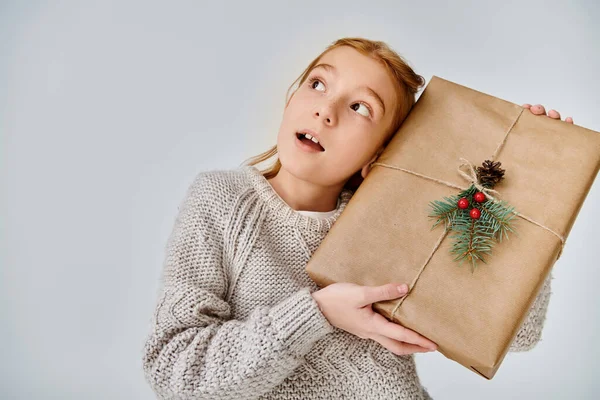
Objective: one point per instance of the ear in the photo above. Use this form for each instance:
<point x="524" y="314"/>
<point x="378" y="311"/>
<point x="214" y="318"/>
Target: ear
<point x="367" y="167"/>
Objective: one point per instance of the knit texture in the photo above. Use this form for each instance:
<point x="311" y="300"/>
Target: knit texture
<point x="235" y="318"/>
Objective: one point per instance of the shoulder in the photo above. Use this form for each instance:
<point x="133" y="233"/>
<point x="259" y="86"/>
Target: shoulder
<point x="219" y="184"/>
<point x="214" y="191"/>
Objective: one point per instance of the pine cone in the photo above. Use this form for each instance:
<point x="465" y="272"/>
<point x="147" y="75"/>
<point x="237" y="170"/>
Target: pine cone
<point x="490" y="173"/>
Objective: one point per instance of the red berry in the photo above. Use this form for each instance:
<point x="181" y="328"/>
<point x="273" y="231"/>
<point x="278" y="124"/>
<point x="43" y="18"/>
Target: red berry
<point x="475" y="213"/>
<point x="463" y="203"/>
<point x="479" y="197"/>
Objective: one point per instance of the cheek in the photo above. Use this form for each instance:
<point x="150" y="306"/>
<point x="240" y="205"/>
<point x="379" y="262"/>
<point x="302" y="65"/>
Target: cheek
<point x="299" y="104"/>
<point x="350" y="155"/>
<point x="358" y="150"/>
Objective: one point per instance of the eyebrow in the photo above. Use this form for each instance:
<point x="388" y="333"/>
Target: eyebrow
<point x="331" y="68"/>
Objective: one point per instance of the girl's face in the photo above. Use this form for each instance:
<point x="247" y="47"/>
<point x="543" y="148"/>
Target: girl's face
<point x="348" y="101"/>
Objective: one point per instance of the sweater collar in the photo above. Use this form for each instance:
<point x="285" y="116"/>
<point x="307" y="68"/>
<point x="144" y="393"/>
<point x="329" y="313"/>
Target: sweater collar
<point x="285" y="212"/>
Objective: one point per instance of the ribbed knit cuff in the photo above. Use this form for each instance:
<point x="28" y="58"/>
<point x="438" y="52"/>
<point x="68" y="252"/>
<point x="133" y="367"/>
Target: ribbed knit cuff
<point x="299" y="322"/>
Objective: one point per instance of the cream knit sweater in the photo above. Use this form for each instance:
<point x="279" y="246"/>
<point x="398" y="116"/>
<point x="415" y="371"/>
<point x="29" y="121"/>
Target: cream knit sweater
<point x="235" y="318"/>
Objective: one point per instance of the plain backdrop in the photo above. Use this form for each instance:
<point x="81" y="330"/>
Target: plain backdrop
<point x="108" y="109"/>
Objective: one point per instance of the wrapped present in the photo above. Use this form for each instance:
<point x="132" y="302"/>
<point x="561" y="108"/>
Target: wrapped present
<point x="471" y="204"/>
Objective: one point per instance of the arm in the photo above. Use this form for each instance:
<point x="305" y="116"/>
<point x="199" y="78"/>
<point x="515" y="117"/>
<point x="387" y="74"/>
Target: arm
<point x="530" y="332"/>
<point x="195" y="350"/>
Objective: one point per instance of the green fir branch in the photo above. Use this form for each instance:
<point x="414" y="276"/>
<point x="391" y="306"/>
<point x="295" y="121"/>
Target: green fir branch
<point x="446" y="210"/>
<point x="472" y="239"/>
<point x="501" y="214"/>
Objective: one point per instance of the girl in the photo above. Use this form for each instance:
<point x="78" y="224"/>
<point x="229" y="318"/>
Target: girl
<point x="238" y="317"/>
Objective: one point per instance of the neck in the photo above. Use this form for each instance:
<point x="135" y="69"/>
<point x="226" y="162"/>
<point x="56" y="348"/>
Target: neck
<point x="302" y="195"/>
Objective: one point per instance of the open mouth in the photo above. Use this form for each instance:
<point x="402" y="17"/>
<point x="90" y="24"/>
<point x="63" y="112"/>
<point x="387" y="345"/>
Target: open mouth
<point x="308" y="142"/>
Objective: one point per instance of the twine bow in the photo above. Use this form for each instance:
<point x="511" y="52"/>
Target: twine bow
<point x="473" y="179"/>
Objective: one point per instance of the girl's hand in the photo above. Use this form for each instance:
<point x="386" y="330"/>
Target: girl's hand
<point x="539" y="109"/>
<point x="348" y="307"/>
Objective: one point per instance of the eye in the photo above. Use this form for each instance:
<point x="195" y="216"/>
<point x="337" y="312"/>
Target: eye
<point x="368" y="110"/>
<point x="312" y="81"/>
<point x="317" y="80"/>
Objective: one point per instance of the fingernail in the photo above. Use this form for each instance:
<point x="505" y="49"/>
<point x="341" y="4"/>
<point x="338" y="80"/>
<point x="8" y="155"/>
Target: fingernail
<point x="402" y="288"/>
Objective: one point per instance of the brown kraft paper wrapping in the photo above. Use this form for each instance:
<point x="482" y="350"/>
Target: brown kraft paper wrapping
<point x="384" y="235"/>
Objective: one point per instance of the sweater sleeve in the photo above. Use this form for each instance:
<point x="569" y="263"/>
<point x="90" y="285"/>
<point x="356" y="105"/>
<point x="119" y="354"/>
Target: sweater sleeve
<point x="530" y="332"/>
<point x="195" y="350"/>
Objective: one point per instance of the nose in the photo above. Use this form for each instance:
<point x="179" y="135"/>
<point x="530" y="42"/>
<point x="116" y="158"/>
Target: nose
<point x="326" y="114"/>
<point x="327" y="119"/>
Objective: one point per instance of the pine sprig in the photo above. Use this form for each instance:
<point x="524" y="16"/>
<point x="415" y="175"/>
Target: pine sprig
<point x="500" y="214"/>
<point x="447" y="209"/>
<point x="444" y="210"/>
<point x="473" y="237"/>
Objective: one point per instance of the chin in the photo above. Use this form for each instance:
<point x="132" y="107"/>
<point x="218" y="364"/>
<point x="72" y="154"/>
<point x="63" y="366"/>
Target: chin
<point x="300" y="168"/>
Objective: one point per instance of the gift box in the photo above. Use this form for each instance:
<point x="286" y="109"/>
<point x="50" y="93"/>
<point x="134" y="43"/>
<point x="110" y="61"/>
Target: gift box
<point x="453" y="140"/>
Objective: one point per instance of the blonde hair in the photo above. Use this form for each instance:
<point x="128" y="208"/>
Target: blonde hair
<point x="408" y="83"/>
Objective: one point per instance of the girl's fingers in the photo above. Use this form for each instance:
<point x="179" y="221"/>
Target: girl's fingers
<point x="398" y="348"/>
<point x="554" y="114"/>
<point x="381" y="326"/>
<point x="538" y="109"/>
<point x="372" y="294"/>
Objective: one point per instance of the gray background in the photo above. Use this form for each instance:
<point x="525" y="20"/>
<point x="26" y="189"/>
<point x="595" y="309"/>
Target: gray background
<point x="108" y="109"/>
